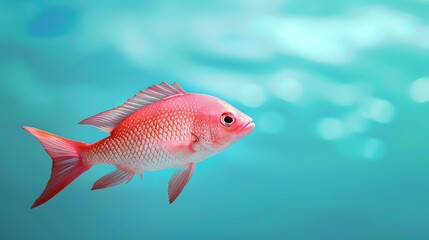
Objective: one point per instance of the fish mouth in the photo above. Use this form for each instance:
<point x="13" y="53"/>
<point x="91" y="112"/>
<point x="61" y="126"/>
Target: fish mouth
<point x="248" y="127"/>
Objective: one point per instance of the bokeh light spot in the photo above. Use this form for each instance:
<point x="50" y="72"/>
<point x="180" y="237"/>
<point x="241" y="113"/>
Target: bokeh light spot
<point x="252" y="95"/>
<point x="330" y="128"/>
<point x="288" y="89"/>
<point x="378" y="110"/>
<point x="419" y="90"/>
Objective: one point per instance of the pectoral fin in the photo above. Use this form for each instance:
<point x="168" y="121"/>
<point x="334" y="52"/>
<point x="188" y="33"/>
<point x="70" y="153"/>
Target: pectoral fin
<point x="179" y="149"/>
<point x="179" y="180"/>
<point x="112" y="179"/>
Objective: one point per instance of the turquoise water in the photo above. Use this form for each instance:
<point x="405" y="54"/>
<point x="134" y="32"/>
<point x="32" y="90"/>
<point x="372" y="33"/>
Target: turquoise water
<point x="339" y="92"/>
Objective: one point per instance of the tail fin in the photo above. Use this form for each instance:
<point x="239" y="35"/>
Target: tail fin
<point x="67" y="162"/>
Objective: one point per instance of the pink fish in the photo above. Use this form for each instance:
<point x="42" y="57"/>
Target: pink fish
<point x="160" y="127"/>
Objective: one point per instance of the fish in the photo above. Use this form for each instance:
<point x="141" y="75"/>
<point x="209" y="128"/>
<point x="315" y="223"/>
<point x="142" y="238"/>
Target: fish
<point x="159" y="128"/>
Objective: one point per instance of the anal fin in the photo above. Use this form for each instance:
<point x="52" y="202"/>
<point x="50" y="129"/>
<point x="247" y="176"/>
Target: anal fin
<point x="112" y="179"/>
<point x="179" y="180"/>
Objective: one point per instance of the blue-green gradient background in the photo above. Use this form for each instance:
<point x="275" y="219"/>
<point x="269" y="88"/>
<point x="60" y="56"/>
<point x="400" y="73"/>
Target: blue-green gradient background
<point x="338" y="91"/>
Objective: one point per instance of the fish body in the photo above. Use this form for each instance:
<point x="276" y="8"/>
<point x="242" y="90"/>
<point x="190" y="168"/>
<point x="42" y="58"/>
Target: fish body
<point x="161" y="127"/>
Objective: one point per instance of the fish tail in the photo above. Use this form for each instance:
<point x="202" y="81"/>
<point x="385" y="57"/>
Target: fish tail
<point x="67" y="163"/>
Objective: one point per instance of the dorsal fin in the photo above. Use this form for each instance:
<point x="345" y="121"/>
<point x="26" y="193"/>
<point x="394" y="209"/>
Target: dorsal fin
<point x="108" y="120"/>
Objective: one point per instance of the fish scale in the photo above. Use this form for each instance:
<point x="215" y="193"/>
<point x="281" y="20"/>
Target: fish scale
<point x="134" y="141"/>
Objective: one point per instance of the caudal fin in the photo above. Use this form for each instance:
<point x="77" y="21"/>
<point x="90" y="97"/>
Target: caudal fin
<point x="67" y="163"/>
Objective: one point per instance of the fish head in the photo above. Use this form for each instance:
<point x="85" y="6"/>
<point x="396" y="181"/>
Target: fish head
<point x="218" y="124"/>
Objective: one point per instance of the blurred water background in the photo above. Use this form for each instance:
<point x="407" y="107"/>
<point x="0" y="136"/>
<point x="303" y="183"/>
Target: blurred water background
<point x="339" y="92"/>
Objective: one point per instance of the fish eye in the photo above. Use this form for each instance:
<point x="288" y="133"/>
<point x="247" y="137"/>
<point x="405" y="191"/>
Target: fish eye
<point x="227" y="119"/>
